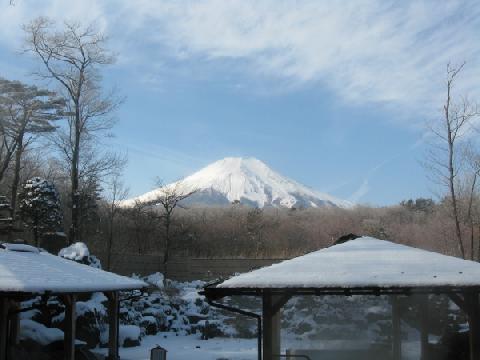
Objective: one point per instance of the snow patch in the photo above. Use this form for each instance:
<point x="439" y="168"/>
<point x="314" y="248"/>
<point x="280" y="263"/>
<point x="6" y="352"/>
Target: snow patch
<point x="77" y="252"/>
<point x="155" y="279"/>
<point x="130" y="332"/>
<point x="39" y="333"/>
<point x="20" y="248"/>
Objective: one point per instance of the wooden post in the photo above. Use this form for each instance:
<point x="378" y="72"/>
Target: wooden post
<point x="69" y="326"/>
<point x="473" y="312"/>
<point x="14" y="320"/>
<point x="113" y="310"/>
<point x="276" y="330"/>
<point x="271" y="328"/>
<point x="4" y="302"/>
<point x="423" y="308"/>
<point x="396" y="330"/>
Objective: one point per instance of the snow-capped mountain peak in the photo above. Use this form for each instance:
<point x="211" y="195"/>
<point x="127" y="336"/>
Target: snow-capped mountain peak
<point x="247" y="180"/>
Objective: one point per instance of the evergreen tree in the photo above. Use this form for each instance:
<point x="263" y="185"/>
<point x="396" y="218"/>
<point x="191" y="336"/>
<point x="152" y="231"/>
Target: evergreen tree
<point x="40" y="207"/>
<point x="25" y="112"/>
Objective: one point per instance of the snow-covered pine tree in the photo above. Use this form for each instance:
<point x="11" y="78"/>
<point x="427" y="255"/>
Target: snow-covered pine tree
<point x="40" y="207"/>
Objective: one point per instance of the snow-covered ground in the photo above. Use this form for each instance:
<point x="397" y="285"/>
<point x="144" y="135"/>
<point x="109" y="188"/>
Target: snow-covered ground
<point x="191" y="347"/>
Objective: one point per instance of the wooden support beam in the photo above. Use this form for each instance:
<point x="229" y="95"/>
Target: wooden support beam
<point x="473" y="314"/>
<point x="396" y="330"/>
<point x="4" y="305"/>
<point x="14" y="328"/>
<point x="69" y="326"/>
<point x="279" y="301"/>
<point x="424" y="344"/>
<point x="271" y="327"/>
<point x="113" y="313"/>
<point x="459" y="301"/>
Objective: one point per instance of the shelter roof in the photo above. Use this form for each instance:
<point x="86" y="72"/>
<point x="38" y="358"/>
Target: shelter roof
<point x="24" y="269"/>
<point x="363" y="263"/>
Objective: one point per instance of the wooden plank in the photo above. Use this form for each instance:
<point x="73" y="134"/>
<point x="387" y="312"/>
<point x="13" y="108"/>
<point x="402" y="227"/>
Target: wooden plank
<point x="113" y="321"/>
<point x="69" y="326"/>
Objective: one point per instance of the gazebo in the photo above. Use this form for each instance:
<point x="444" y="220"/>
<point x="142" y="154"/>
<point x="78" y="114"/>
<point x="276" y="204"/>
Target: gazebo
<point x="27" y="271"/>
<point x="363" y="266"/>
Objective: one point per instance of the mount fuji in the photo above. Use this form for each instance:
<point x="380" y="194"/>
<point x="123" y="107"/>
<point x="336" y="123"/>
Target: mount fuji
<point x="245" y="180"/>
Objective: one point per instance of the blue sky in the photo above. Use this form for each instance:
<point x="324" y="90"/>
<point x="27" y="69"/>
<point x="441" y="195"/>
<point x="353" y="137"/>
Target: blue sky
<point x="333" y="94"/>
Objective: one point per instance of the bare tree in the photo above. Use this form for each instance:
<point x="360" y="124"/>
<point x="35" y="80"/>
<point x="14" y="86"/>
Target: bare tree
<point x="444" y="158"/>
<point x="116" y="193"/>
<point x="29" y="112"/>
<point x="470" y="193"/>
<point x="144" y="223"/>
<point x="7" y="141"/>
<point x="72" y="57"/>
<point x="169" y="198"/>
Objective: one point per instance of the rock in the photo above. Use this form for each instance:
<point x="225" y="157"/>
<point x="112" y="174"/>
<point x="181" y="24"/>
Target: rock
<point x="129" y="335"/>
<point x="131" y="342"/>
<point x="87" y="329"/>
<point x="209" y="330"/>
<point x="149" y="323"/>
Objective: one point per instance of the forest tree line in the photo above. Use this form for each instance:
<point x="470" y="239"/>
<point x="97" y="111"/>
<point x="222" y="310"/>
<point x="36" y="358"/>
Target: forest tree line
<point x="242" y="231"/>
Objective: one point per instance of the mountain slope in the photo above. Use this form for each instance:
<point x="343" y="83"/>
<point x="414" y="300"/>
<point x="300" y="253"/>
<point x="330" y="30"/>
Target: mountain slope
<point x="247" y="180"/>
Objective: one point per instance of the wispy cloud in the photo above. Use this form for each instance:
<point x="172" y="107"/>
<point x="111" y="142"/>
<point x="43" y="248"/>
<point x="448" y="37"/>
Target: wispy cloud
<point x="364" y="187"/>
<point x="366" y="51"/>
<point x="360" y="192"/>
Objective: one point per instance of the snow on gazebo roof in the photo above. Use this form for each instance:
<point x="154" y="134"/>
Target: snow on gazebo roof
<point x="362" y="263"/>
<point x="24" y="269"/>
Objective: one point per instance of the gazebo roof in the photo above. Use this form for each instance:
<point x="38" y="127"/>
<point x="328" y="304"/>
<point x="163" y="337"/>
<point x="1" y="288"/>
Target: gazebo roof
<point x="362" y="265"/>
<point x="24" y="269"/>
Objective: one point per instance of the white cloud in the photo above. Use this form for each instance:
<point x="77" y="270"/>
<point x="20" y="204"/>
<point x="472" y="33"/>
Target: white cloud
<point x="12" y="17"/>
<point x="366" y="51"/>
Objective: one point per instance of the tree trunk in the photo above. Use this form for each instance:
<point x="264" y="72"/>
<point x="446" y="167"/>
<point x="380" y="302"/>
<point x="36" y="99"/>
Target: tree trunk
<point x="109" y="243"/>
<point x="167" y="246"/>
<point x="470" y="217"/>
<point x="74" y="227"/>
<point x="35" y="231"/>
<point x="6" y="161"/>
<point x="478" y="247"/>
<point x="451" y="172"/>
<point x="16" y="174"/>
<point x="472" y="229"/>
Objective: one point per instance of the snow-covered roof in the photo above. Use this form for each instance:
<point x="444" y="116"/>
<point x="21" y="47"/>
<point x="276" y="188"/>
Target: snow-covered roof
<point x="362" y="263"/>
<point x="32" y="271"/>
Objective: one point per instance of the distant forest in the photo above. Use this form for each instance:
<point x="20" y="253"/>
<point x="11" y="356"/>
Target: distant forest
<point x="241" y="231"/>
